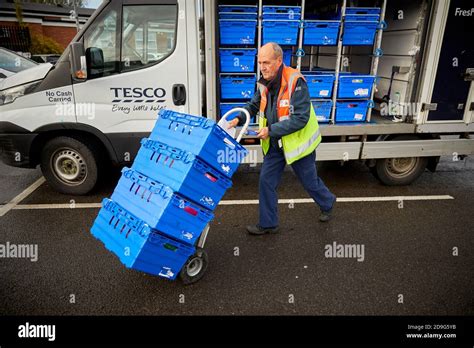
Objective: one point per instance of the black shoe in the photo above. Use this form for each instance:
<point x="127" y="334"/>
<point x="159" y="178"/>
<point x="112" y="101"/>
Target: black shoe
<point x="327" y="215"/>
<point x="258" y="230"/>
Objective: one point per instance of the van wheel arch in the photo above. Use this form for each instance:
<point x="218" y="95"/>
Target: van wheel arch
<point x="72" y="130"/>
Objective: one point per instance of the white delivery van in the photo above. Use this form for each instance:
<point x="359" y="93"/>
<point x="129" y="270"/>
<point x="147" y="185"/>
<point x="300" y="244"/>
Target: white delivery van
<point x="135" y="57"/>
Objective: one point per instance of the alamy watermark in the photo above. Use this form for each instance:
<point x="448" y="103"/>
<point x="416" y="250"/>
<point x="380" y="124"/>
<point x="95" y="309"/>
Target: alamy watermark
<point x="228" y="156"/>
<point x="400" y="110"/>
<point x="20" y="251"/>
<point x="37" y="331"/>
<point x="78" y="109"/>
<point x="345" y="251"/>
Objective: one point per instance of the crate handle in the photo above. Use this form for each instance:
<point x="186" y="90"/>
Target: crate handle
<point x="321" y="26"/>
<point x="247" y="120"/>
<point x="210" y="177"/>
<point x="190" y="210"/>
<point x="170" y="247"/>
<point x="352" y="105"/>
<point x="237" y="53"/>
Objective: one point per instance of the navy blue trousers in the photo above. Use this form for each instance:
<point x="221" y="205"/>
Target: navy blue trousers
<point x="270" y="176"/>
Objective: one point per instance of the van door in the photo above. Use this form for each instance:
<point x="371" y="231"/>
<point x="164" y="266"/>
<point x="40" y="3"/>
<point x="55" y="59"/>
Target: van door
<point x="453" y="83"/>
<point x="136" y="63"/>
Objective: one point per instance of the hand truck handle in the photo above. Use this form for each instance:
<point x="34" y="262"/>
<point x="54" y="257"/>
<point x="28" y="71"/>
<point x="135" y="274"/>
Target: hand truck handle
<point x="247" y="121"/>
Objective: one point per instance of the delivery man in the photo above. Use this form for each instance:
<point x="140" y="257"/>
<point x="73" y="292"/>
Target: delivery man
<point x="289" y="134"/>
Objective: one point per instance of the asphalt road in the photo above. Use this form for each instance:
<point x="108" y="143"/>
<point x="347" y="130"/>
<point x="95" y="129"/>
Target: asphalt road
<point x="408" y="253"/>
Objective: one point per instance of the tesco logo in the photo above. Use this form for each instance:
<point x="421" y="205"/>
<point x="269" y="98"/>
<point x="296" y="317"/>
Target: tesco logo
<point x="128" y="94"/>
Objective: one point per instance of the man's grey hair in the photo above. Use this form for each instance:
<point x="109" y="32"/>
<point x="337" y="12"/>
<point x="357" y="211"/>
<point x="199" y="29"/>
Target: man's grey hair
<point x="277" y="49"/>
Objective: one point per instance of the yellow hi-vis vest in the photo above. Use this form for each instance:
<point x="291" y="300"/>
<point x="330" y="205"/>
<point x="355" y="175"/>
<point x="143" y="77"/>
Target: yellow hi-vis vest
<point x="302" y="142"/>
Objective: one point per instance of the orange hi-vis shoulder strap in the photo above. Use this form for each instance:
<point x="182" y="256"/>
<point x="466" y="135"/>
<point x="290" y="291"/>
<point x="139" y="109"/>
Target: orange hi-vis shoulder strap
<point x="289" y="79"/>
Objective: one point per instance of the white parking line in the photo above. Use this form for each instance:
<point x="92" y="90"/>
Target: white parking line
<point x="248" y="201"/>
<point x="347" y="199"/>
<point x="14" y="202"/>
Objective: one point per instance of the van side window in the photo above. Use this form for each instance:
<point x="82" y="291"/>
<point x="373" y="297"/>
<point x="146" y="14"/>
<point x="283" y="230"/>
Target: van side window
<point x="148" y="35"/>
<point x="100" y="42"/>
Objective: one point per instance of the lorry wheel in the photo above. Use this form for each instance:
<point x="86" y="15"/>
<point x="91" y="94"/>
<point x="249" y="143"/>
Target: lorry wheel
<point x="195" y="267"/>
<point x="71" y="165"/>
<point x="400" y="171"/>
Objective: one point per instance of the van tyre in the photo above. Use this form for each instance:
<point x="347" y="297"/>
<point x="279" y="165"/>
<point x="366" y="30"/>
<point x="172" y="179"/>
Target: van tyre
<point x="400" y="171"/>
<point x="72" y="164"/>
<point x="195" y="267"/>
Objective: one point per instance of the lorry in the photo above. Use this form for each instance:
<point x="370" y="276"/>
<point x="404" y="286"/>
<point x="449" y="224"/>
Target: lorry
<point x="135" y="57"/>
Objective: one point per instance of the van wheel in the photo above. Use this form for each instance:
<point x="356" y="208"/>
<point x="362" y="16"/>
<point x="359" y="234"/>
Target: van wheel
<point x="400" y="171"/>
<point x="71" y="165"/>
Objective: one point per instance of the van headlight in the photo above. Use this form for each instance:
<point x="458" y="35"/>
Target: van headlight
<point x="9" y="95"/>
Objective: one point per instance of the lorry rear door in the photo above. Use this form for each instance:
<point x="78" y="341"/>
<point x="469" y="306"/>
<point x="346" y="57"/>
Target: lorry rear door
<point x="453" y="80"/>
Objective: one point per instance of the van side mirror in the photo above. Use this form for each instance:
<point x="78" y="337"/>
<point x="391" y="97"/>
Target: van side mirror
<point x="78" y="61"/>
<point x="95" y="61"/>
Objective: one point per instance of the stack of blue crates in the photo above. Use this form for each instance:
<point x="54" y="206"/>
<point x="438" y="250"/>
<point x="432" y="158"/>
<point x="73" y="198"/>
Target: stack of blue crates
<point x="353" y="96"/>
<point x="360" y="26"/>
<point x="237" y="55"/>
<point x="320" y="87"/>
<point x="281" y="24"/>
<point x="162" y="204"/>
<point x="354" y="92"/>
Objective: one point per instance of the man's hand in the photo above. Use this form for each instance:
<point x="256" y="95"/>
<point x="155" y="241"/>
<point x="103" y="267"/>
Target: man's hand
<point x="263" y="133"/>
<point x="233" y="123"/>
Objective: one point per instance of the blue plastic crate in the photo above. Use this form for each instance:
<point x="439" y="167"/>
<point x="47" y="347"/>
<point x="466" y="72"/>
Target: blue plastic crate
<point x="363" y="18"/>
<point x="282" y="12"/>
<point x="351" y="111"/>
<point x="237" y="31"/>
<point x="160" y="207"/>
<point x="237" y="60"/>
<point x="287" y="57"/>
<point x="362" y="11"/>
<point x="237" y="86"/>
<point x="186" y="174"/>
<point x="200" y="136"/>
<point x="244" y="15"/>
<point x="136" y="244"/>
<point x="359" y="33"/>
<point x="237" y="9"/>
<point x="353" y="86"/>
<point x="283" y="32"/>
<point x="238" y="12"/>
<point x="224" y="107"/>
<point x="322" y="109"/>
<point x="323" y="33"/>
<point x="319" y="85"/>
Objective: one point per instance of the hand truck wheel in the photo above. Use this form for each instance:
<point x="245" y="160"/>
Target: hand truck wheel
<point x="194" y="269"/>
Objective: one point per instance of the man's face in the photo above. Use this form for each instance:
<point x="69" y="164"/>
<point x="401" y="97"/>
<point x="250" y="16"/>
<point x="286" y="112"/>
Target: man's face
<point x="268" y="63"/>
